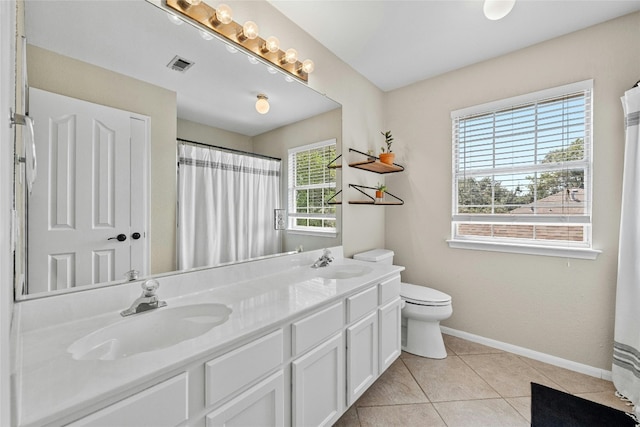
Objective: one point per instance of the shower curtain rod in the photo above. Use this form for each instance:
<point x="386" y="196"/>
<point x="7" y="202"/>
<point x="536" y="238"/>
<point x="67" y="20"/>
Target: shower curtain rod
<point x="233" y="150"/>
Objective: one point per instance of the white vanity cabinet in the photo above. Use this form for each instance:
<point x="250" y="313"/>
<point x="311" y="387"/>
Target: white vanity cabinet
<point x="163" y="405"/>
<point x="303" y="371"/>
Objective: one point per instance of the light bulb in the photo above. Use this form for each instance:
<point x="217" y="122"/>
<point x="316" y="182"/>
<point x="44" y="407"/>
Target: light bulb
<point x="249" y="30"/>
<point x="224" y="15"/>
<point x="262" y="104"/>
<point x="271" y="44"/>
<point x="291" y="56"/>
<point x="308" y="66"/>
<point x="497" y="9"/>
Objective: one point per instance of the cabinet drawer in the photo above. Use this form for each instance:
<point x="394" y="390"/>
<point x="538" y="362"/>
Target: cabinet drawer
<point x="164" y="404"/>
<point x="389" y="289"/>
<point x="362" y="303"/>
<point x="230" y="372"/>
<point x="316" y="327"/>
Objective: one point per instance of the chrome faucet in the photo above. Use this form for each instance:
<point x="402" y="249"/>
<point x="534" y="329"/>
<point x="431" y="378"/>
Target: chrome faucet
<point x="147" y="301"/>
<point x="324" y="259"/>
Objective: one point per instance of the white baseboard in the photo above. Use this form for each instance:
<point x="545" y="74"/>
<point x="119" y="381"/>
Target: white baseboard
<point x="532" y="354"/>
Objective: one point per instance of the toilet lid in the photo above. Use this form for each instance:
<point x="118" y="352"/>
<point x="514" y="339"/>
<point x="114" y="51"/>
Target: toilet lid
<point x="422" y="295"/>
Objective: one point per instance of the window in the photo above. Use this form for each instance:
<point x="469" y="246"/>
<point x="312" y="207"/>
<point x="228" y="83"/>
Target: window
<point x="522" y="173"/>
<point x="311" y="184"/>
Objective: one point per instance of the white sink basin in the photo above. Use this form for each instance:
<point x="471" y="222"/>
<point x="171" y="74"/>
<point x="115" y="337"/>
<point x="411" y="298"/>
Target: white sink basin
<point x="148" y="331"/>
<point x="338" y="272"/>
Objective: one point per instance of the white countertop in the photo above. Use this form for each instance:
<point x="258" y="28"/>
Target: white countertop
<point x="262" y="295"/>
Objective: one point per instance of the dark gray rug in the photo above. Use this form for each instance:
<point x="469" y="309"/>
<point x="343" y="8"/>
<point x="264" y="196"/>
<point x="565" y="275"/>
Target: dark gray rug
<point x="554" y="408"/>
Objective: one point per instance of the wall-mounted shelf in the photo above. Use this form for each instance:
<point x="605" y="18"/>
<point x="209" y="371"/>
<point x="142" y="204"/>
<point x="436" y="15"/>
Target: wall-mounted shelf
<point x="372" y="200"/>
<point x="373" y="164"/>
<point x="330" y="201"/>
<point x="333" y="165"/>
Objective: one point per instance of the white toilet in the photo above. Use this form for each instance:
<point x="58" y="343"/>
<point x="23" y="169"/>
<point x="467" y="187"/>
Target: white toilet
<point x="423" y="309"/>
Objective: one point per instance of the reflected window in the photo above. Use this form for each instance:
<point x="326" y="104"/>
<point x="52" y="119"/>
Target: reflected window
<point x="311" y="183"/>
<point x="522" y="169"/>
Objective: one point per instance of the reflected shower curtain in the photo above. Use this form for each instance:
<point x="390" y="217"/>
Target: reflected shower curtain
<point x="626" y="351"/>
<point x="226" y="206"/>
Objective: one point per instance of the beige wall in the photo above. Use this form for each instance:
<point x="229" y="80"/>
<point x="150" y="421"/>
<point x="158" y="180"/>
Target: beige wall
<point x="66" y="76"/>
<point x="276" y="143"/>
<point x="563" y="307"/>
<point x="213" y="136"/>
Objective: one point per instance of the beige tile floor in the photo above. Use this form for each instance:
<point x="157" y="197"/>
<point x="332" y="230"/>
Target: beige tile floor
<point x="475" y="385"/>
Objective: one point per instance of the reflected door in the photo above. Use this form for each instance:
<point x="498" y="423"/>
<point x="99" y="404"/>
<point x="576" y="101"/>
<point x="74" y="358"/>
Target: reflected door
<point x="79" y="212"/>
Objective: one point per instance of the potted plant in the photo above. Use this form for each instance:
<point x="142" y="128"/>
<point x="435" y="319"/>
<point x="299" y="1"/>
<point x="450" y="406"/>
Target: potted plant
<point x="386" y="156"/>
<point x="380" y="189"/>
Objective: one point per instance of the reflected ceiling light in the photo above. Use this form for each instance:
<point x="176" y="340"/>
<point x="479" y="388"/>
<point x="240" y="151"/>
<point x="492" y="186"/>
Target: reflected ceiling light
<point x="174" y="19"/>
<point x="252" y="59"/>
<point x="219" y="22"/>
<point x="262" y="104"/>
<point x="223" y="15"/>
<point x="290" y="56"/>
<point x="271" y="44"/>
<point x="271" y="70"/>
<point x="497" y="9"/>
<point x="206" y="35"/>
<point x="249" y="31"/>
<point x="288" y="79"/>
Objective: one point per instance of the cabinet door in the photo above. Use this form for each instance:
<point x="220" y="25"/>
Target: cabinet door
<point x="390" y="324"/>
<point x="318" y="384"/>
<point x="261" y="405"/>
<point x="162" y="405"/>
<point x="362" y="356"/>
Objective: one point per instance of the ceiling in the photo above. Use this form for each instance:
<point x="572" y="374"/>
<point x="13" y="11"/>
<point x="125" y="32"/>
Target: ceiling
<point x="396" y="43"/>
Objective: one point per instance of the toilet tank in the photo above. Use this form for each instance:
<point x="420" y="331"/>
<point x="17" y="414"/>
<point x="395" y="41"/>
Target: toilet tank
<point x="383" y="256"/>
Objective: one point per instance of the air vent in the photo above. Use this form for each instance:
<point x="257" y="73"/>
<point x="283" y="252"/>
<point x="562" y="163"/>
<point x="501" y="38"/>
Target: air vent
<point x="180" y="64"/>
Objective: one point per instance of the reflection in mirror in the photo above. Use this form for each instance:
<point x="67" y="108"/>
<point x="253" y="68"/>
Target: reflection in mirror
<point x="105" y="64"/>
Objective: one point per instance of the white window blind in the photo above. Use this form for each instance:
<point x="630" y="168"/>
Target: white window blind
<point x="522" y="169"/>
<point x="311" y="183"/>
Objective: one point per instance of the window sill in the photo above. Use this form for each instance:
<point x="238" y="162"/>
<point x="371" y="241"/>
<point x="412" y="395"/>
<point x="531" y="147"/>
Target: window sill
<point x="330" y="234"/>
<point x="562" y="252"/>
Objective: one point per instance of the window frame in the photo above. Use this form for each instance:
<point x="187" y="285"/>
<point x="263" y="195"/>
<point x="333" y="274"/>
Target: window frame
<point x="292" y="215"/>
<point x="583" y="250"/>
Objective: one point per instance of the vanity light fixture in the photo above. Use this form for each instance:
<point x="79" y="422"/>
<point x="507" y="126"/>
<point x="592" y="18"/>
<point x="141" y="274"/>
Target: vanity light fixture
<point x="219" y="22"/>
<point x="262" y="104"/>
<point x="497" y="9"/>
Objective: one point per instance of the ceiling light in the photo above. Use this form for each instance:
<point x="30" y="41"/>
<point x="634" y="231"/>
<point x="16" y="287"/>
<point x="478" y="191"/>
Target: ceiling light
<point x="271" y="44"/>
<point x="249" y="31"/>
<point x="262" y="104"/>
<point x="497" y="9"/>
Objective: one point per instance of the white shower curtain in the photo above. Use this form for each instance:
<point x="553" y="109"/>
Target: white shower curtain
<point x="226" y="206"/>
<point x="626" y="351"/>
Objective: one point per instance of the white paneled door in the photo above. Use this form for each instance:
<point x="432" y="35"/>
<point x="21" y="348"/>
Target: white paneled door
<point x="84" y="226"/>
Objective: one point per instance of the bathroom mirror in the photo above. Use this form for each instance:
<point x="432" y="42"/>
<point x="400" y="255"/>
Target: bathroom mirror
<point x="117" y="53"/>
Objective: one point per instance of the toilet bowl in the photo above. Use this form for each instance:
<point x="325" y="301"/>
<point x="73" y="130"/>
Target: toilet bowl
<point x="423" y="309"/>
